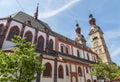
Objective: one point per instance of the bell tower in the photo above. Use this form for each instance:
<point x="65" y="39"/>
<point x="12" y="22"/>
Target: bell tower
<point x="79" y="37"/>
<point x="97" y="41"/>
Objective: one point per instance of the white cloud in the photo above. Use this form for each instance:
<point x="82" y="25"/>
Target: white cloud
<point x="54" y="12"/>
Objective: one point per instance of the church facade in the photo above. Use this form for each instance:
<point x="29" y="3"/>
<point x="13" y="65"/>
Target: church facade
<point x="66" y="60"/>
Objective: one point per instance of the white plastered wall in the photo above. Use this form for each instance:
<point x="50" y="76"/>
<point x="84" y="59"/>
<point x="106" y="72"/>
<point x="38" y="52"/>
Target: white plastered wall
<point x="81" y="54"/>
<point x="75" y="51"/>
<point x="73" y="68"/>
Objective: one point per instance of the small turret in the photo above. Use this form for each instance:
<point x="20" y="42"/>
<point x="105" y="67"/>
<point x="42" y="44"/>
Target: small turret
<point x="79" y="37"/>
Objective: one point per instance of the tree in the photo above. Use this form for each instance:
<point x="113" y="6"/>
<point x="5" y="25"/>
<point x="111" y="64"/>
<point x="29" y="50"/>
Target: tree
<point x="21" y="64"/>
<point x="105" y="71"/>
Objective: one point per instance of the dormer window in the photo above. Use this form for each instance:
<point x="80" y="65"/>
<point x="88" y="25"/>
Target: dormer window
<point x="28" y="22"/>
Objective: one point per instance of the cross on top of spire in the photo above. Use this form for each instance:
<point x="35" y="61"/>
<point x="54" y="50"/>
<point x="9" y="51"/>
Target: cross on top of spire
<point x="77" y="25"/>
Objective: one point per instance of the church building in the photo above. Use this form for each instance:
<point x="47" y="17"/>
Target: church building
<point x="66" y="60"/>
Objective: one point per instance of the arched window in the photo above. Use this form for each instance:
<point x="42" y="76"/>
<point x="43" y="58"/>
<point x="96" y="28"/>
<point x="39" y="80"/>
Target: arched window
<point x="67" y="49"/>
<point x="62" y="48"/>
<point x="13" y="31"/>
<point x="86" y="69"/>
<point x="50" y="44"/>
<point x="28" y="36"/>
<point x="40" y="43"/>
<point x="88" y="80"/>
<point x="67" y="71"/>
<point x="79" y="71"/>
<point x="48" y="71"/>
<point x="60" y="71"/>
<point x="88" y="57"/>
<point x="78" y="54"/>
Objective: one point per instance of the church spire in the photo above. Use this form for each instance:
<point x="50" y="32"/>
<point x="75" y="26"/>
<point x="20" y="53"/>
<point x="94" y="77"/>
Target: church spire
<point x="79" y="37"/>
<point x="36" y="13"/>
<point x="97" y="40"/>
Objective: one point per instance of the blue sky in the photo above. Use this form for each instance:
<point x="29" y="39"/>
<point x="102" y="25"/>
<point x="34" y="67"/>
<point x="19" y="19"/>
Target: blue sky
<point x="61" y="15"/>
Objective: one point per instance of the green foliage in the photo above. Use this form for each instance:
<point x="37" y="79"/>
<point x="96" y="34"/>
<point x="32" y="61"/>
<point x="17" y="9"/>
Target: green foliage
<point x="104" y="70"/>
<point x="21" y="64"/>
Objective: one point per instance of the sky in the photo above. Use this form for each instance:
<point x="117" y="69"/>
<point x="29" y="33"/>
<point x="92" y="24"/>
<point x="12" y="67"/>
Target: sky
<point x="61" y="16"/>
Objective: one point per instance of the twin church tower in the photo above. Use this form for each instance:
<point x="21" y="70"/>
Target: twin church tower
<point x="98" y="44"/>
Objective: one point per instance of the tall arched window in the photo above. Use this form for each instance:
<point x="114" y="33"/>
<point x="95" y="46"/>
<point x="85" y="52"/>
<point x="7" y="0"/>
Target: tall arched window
<point x="86" y="69"/>
<point x="79" y="71"/>
<point x="67" y="71"/>
<point x="48" y="71"/>
<point x="13" y="31"/>
<point x="60" y="71"/>
<point x="78" y="54"/>
<point x="62" y="48"/>
<point x="28" y="36"/>
<point x="50" y="44"/>
<point x="67" y="49"/>
<point x="95" y="81"/>
<point x="88" y="57"/>
<point x="40" y="43"/>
